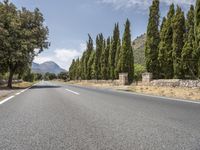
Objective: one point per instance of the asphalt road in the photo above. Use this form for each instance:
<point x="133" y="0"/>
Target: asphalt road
<point x="53" y="116"/>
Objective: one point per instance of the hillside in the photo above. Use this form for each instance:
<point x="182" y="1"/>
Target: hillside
<point x="48" y="66"/>
<point x="139" y="49"/>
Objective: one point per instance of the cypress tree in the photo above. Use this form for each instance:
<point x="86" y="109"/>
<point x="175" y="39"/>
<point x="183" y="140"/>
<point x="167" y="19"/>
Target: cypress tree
<point x="83" y="69"/>
<point x="91" y="63"/>
<point x="165" y="46"/>
<point x="99" y="48"/>
<point x="72" y="70"/>
<point x="104" y="60"/>
<point x="117" y="59"/>
<point x="197" y="37"/>
<point x="126" y="60"/>
<point x="178" y="41"/>
<point x="188" y="49"/>
<point x="112" y="55"/>
<point x="87" y="56"/>
<point x="152" y="41"/>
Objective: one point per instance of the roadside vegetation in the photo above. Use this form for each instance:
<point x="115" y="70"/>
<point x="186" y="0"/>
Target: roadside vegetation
<point x="23" y="36"/>
<point x="172" y="49"/>
<point x="111" y="56"/>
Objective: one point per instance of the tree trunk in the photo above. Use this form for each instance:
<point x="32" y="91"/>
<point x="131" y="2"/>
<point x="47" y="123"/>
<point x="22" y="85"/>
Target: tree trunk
<point x="11" y="73"/>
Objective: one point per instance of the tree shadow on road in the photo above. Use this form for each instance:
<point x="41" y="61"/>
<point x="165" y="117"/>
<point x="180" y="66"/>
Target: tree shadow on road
<point x="44" y="87"/>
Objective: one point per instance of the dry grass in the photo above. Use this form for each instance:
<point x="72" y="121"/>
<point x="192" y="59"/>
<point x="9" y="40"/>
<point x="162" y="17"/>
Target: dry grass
<point x="172" y="92"/>
<point x="21" y="85"/>
<point x="181" y="93"/>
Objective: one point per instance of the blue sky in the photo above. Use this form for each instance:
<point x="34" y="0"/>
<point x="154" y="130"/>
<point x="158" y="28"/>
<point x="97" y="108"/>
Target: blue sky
<point x="70" y="21"/>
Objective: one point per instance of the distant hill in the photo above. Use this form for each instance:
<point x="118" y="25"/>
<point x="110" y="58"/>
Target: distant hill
<point x="139" y="49"/>
<point x="45" y="67"/>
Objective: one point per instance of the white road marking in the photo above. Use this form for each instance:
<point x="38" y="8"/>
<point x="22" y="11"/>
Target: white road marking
<point x="162" y="97"/>
<point x="72" y="91"/>
<point x="18" y="93"/>
<point x="7" y="99"/>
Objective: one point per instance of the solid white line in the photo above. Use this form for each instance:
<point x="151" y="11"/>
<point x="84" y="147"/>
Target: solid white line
<point x="18" y="93"/>
<point x="72" y="91"/>
<point x="7" y="99"/>
<point x="161" y="97"/>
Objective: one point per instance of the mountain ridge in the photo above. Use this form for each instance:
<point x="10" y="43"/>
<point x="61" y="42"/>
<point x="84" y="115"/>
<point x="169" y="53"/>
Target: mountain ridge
<point x="48" y="66"/>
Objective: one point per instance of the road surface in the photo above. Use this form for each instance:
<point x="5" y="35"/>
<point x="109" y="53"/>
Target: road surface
<point x="53" y="116"/>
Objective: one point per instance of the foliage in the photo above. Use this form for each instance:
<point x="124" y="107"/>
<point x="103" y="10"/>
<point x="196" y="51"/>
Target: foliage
<point x="188" y="62"/>
<point x="138" y="70"/>
<point x="22" y="31"/>
<point x="153" y="39"/>
<point x="126" y="60"/>
<point x="50" y="76"/>
<point x="114" y="47"/>
<point x="165" y="46"/>
<point x="104" y="60"/>
<point x="99" y="49"/>
<point x="63" y="76"/>
<point x="196" y="53"/>
<point x="178" y="26"/>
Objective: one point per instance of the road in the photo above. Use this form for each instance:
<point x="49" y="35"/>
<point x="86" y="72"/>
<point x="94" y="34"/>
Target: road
<point x="54" y="116"/>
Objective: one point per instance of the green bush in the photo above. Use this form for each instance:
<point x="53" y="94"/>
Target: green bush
<point x="139" y="70"/>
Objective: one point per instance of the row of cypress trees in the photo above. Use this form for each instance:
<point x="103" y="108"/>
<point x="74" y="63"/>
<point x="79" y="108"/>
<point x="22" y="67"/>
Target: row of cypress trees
<point x="110" y="57"/>
<point x="173" y="49"/>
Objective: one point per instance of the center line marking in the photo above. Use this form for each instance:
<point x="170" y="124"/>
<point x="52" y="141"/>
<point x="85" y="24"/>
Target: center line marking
<point x="72" y="91"/>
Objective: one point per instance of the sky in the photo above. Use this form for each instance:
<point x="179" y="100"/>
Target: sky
<point x="70" y="22"/>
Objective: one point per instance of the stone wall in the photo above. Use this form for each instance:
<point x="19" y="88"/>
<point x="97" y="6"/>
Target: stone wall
<point x="176" y="83"/>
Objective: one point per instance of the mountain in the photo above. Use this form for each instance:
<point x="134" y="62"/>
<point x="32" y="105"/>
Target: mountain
<point x="48" y="66"/>
<point x="139" y="49"/>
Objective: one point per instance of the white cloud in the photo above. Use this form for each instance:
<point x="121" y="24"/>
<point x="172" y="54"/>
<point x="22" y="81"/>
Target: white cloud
<point x="142" y="4"/>
<point x="63" y="57"/>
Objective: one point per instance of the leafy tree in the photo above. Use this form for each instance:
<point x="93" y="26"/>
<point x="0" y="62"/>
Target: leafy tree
<point x="196" y="53"/>
<point x="50" y="76"/>
<point x="22" y="31"/>
<point x="165" y="46"/>
<point x="188" y="49"/>
<point x="99" y="48"/>
<point x="28" y="76"/>
<point x="63" y="76"/>
<point x="38" y="76"/>
<point x="113" y="50"/>
<point x="105" y="60"/>
<point x="138" y="70"/>
<point x="152" y="40"/>
<point x="126" y="60"/>
<point x="178" y="41"/>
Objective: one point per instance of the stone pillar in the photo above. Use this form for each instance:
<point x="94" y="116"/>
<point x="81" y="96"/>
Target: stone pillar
<point x="147" y="77"/>
<point x="123" y="78"/>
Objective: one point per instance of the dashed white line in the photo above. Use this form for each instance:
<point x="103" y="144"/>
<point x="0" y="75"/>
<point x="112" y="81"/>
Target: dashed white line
<point x="72" y="91"/>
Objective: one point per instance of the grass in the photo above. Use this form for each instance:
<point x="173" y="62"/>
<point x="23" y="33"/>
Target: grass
<point x="21" y="85"/>
<point x="172" y="92"/>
